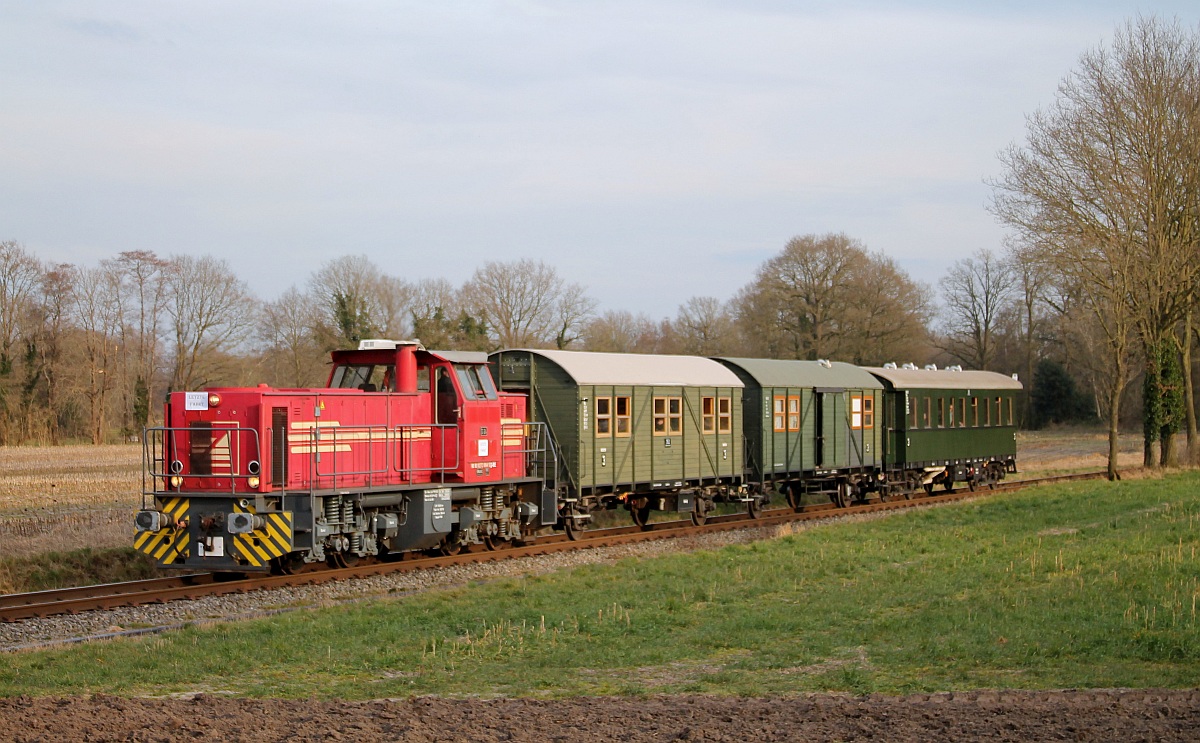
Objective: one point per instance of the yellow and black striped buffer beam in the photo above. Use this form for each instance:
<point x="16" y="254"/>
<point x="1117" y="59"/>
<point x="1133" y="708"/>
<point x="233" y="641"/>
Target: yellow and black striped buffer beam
<point x="166" y="545"/>
<point x="262" y="545"/>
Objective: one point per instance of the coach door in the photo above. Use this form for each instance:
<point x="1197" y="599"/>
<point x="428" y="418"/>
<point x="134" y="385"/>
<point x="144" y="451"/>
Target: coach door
<point x="446" y="407"/>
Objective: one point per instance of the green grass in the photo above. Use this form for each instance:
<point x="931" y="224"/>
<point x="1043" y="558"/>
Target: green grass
<point x="83" y="567"/>
<point x="1085" y="585"/>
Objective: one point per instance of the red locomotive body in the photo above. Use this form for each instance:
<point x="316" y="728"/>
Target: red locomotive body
<point x="403" y="449"/>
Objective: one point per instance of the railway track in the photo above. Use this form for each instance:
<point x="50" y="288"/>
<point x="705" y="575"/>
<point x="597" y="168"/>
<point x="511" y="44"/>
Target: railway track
<point x="23" y="606"/>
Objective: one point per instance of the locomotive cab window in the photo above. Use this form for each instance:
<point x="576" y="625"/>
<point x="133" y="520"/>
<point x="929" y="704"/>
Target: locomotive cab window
<point x="367" y="377"/>
<point x="475" y="385"/>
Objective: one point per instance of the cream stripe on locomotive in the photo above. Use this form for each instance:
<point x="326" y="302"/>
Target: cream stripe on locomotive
<point x="261" y="545"/>
<point x="167" y="544"/>
<point x="333" y="437"/>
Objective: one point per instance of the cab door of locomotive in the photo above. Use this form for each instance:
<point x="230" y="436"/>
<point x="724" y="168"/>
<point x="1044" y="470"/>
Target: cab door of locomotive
<point x="447" y="408"/>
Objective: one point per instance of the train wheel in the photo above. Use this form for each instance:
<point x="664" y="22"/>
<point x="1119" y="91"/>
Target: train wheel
<point x="641" y="515"/>
<point x="571" y="525"/>
<point x="754" y="507"/>
<point x="884" y="495"/>
<point x="450" y="546"/>
<point x="489" y="542"/>
<point x="928" y="488"/>
<point x="912" y="484"/>
<point x="699" y="518"/>
<point x="793" y="497"/>
<point x="841" y="496"/>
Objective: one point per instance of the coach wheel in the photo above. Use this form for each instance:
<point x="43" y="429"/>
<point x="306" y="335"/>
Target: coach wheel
<point x="912" y="484"/>
<point x="884" y="494"/>
<point x="754" y="507"/>
<point x="489" y="542"/>
<point x="929" y="488"/>
<point x="793" y="496"/>
<point x="841" y="495"/>
<point x="640" y="514"/>
<point x="571" y="525"/>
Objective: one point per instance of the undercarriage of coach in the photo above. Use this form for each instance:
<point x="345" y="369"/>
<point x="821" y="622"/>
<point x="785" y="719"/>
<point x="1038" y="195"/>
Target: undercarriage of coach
<point x="576" y="513"/>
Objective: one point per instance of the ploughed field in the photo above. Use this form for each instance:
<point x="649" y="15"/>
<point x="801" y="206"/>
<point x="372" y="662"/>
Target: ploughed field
<point x="910" y="627"/>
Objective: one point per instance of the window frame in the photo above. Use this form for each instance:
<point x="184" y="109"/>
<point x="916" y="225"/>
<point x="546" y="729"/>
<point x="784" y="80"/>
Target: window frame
<point x="671" y="415"/>
<point x="604" y="418"/>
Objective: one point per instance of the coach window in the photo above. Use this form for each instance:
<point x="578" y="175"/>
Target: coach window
<point x="941" y="412"/>
<point x="927" y="413"/>
<point x="987" y="412"/>
<point x="603" y="417"/>
<point x="793" y="419"/>
<point x="999" y="412"/>
<point x="975" y="411"/>
<point x="1010" y="411"/>
<point x="950" y="412"/>
<point x="622" y="410"/>
<point x="916" y="403"/>
<point x="962" y="412"/>
<point x="668" y="416"/>
<point x="708" y="415"/>
<point x="777" y="414"/>
<point x="724" y="415"/>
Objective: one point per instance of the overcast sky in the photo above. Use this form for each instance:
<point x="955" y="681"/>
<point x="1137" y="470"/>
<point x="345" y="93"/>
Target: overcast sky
<point x="652" y="150"/>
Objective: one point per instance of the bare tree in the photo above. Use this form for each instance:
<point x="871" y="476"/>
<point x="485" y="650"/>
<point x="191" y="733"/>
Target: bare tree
<point x="827" y="297"/>
<point x="96" y="310"/>
<point x="976" y="292"/>
<point x="286" y="326"/>
<point x="526" y="303"/>
<point x="142" y="284"/>
<point x="20" y="278"/>
<point x="704" y="327"/>
<point x="620" y="331"/>
<point x="1106" y="185"/>
<point x="357" y="300"/>
<point x="210" y="309"/>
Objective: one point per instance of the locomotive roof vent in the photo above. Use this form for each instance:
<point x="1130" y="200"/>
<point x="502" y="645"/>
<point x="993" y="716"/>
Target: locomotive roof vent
<point x="910" y="367"/>
<point x="384" y="344"/>
<point x="825" y="363"/>
<point x="890" y="365"/>
<point x="956" y="367"/>
<point x="931" y="367"/>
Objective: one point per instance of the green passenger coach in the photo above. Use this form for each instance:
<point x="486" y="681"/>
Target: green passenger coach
<point x="948" y="425"/>
<point x="642" y="432"/>
<point x="811" y="427"/>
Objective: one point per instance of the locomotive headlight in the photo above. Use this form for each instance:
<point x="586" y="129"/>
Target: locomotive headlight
<point x="252" y="481"/>
<point x="244" y="523"/>
<point x="176" y="481"/>
<point x="151" y="520"/>
<point x="213" y="399"/>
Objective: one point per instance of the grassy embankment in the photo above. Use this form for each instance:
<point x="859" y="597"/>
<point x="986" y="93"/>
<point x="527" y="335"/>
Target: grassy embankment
<point x="1083" y="585"/>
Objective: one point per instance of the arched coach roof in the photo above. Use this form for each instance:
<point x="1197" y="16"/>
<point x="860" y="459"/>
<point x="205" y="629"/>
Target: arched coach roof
<point x="795" y="373"/>
<point x="589" y="367"/>
<point x="945" y="379"/>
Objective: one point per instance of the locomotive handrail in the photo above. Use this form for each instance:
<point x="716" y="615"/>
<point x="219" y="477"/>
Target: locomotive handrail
<point x="538" y="452"/>
<point x="160" y="441"/>
<point x="405" y="437"/>
<point x="318" y="434"/>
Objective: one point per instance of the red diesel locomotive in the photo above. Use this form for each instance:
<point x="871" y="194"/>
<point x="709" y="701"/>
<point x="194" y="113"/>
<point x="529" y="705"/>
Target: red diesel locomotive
<point x="405" y="449"/>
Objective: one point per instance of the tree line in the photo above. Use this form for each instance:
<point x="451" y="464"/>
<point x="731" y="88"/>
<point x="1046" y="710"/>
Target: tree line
<point x="86" y="353"/>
